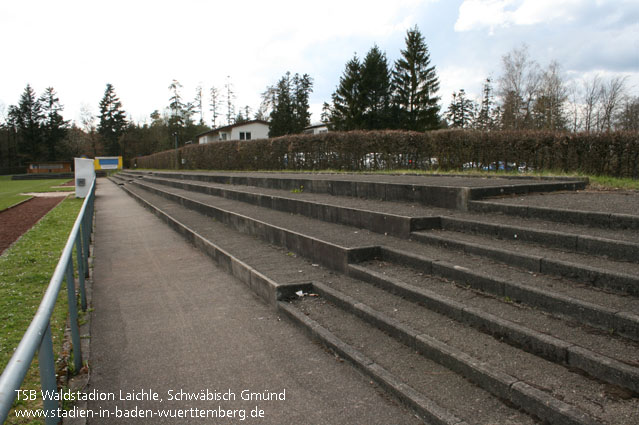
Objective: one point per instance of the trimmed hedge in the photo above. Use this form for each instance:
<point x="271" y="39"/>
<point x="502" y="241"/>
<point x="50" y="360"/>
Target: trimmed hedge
<point x="6" y="171"/>
<point x="614" y="154"/>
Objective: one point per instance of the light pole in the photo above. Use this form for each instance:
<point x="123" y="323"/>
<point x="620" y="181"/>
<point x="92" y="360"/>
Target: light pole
<point x="177" y="161"/>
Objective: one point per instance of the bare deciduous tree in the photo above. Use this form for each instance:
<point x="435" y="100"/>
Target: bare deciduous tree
<point x="518" y="86"/>
<point x="612" y="95"/>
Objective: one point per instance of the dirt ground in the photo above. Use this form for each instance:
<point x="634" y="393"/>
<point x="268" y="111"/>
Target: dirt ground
<point x="16" y="220"/>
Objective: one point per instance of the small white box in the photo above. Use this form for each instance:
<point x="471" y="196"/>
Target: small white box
<point x="84" y="176"/>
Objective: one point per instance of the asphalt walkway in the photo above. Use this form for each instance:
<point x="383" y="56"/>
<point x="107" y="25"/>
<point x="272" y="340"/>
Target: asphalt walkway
<point x="174" y="339"/>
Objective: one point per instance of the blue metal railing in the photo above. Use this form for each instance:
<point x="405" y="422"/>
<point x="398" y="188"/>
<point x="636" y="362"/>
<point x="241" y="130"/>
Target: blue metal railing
<point x="38" y="335"/>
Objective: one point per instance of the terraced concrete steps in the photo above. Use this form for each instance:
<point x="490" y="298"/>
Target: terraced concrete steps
<point x="563" y="297"/>
<point x="505" y="372"/>
<point x="459" y="311"/>
<point x="409" y="371"/>
<point x="603" y="272"/>
<point x="368" y="214"/>
<point x="440" y="191"/>
<point x="561" y="215"/>
<point x="542" y="335"/>
<point x="576" y="242"/>
<point x="386" y="217"/>
<point x="568" y="297"/>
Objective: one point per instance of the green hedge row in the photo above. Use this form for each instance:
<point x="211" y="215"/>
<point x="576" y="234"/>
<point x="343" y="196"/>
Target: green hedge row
<point x="615" y="154"/>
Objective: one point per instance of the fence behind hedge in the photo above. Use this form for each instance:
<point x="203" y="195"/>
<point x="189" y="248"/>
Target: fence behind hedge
<point x="615" y="154"/>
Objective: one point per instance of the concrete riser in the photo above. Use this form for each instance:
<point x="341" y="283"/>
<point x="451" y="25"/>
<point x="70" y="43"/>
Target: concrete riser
<point x="618" y="282"/>
<point x="405" y="227"/>
<point x="548" y="347"/>
<point x="581" y="244"/>
<point x="437" y="196"/>
<point x="338" y="258"/>
<point x="342" y="260"/>
<point x="380" y="223"/>
<point x="497" y="383"/>
<point x="587" y="218"/>
<point x="345" y="260"/>
<point x="624" y="323"/>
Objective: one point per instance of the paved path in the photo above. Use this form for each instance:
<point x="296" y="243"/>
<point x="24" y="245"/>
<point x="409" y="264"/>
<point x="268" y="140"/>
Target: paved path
<point x="167" y="319"/>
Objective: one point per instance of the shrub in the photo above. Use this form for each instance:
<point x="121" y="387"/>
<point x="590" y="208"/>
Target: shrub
<point x="614" y="154"/>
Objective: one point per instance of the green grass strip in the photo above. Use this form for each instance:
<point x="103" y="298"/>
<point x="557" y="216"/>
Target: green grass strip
<point x="25" y="271"/>
<point x="10" y="190"/>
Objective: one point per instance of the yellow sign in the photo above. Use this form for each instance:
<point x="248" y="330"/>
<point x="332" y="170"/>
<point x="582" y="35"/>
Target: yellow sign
<point x="108" y="162"/>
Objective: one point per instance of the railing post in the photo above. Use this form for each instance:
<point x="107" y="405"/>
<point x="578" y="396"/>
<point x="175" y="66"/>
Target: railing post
<point x="73" y="317"/>
<point x="79" y="252"/>
<point x="48" y="381"/>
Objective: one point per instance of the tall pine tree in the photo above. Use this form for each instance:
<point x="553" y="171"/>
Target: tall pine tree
<point x="302" y="88"/>
<point x="376" y="90"/>
<point x="347" y="110"/>
<point x="112" y="123"/>
<point x="415" y="85"/>
<point x="290" y="106"/>
<point x="54" y="126"/>
<point x="27" y="118"/>
<point x="486" y="117"/>
<point x="461" y="111"/>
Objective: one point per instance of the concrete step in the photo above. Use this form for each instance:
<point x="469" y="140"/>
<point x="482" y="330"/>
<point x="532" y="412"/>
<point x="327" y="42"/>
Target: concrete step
<point x="268" y="276"/>
<point x="335" y="246"/>
<point x="400" y="219"/>
<point x="576" y="240"/>
<point x="489" y="363"/>
<point x="374" y="351"/>
<point x="601" y="272"/>
<point x="440" y="191"/>
<point x="561" y="297"/>
<point x="577" y="310"/>
<point x="393" y="218"/>
<point x="610" y="359"/>
<point x="560" y="215"/>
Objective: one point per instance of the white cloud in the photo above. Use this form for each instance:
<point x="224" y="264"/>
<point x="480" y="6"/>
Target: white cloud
<point x="490" y="14"/>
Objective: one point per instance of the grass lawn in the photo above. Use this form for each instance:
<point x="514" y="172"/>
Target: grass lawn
<point x="10" y="190"/>
<point x="25" y="271"/>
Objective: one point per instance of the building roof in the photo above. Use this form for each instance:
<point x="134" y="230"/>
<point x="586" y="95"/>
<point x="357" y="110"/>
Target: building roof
<point x="229" y="127"/>
<point x="317" y="125"/>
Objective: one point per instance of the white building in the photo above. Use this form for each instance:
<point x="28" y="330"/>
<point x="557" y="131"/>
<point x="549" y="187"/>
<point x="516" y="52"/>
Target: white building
<point x="247" y="130"/>
<point x="317" y="128"/>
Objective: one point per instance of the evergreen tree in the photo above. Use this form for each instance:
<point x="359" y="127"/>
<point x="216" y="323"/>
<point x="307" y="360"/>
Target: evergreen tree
<point x="486" y="118"/>
<point x="282" y="108"/>
<point x="197" y="104"/>
<point x="461" y="110"/>
<point x="326" y="113"/>
<point x="347" y="111"/>
<point x="230" y="97"/>
<point x="27" y="118"/>
<point x="289" y="114"/>
<point x="415" y="84"/>
<point x="176" y="106"/>
<point x="215" y="105"/>
<point x="302" y="88"/>
<point x="54" y="126"/>
<point x="112" y="123"/>
<point x="243" y="116"/>
<point x="376" y="90"/>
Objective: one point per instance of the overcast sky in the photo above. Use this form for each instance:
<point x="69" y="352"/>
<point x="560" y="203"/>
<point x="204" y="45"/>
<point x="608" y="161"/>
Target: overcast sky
<point x="77" y="46"/>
